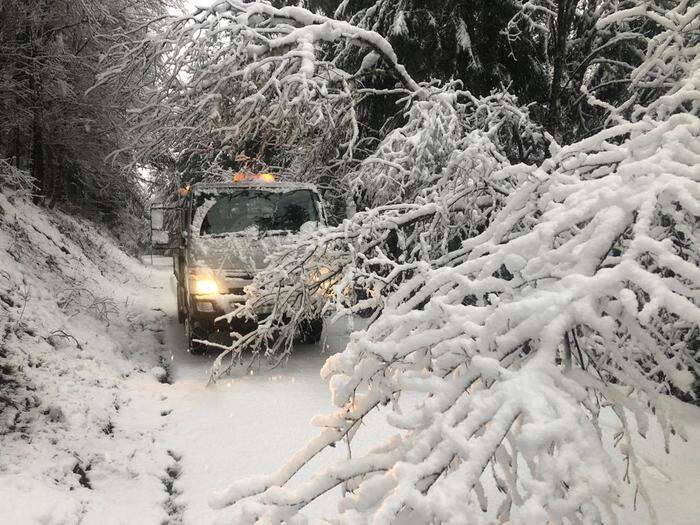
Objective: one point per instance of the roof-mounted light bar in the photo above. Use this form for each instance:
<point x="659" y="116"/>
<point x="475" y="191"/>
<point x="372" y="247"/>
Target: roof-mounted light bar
<point x="242" y="176"/>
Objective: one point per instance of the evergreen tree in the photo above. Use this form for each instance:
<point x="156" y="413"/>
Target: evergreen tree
<point x="50" y="55"/>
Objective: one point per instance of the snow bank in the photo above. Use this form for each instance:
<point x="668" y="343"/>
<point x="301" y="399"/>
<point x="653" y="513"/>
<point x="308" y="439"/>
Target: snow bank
<point x="76" y="323"/>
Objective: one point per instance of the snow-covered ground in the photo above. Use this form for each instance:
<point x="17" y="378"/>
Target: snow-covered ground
<point x="106" y="419"/>
<point x="248" y="424"/>
<point x="91" y="430"/>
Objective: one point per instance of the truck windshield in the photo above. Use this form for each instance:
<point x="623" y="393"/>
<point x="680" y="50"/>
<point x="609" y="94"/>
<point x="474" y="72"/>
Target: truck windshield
<point x="268" y="211"/>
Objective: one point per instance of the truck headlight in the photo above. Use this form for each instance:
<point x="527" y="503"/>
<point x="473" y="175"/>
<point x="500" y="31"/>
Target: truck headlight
<point x="205" y="286"/>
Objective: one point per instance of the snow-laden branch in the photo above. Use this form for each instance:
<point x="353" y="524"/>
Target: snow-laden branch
<point x="431" y="184"/>
<point x="590" y="269"/>
<point x="667" y="79"/>
<point x="234" y="74"/>
<point x="576" y="293"/>
<point x="15" y="178"/>
<point x="308" y="28"/>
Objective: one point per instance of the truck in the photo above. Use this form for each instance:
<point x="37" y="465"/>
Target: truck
<point x="222" y="235"/>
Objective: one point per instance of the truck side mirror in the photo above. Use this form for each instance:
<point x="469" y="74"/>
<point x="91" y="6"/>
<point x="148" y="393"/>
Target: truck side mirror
<point x="160" y="236"/>
<point x="160" y="239"/>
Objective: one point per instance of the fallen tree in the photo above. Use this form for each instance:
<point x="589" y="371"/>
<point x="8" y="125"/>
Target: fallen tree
<point x="575" y="293"/>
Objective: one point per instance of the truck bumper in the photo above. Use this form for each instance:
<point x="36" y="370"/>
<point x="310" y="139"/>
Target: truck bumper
<point x="205" y="310"/>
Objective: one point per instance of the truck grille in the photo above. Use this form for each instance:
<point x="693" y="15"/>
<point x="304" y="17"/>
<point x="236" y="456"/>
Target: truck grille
<point x="237" y="274"/>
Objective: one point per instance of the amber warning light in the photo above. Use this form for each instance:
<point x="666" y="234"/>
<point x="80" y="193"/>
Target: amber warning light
<point x="262" y="177"/>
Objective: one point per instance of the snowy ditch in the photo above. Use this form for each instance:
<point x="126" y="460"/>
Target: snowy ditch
<point x="104" y="417"/>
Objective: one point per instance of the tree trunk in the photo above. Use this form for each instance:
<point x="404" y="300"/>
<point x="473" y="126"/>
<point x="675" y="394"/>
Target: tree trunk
<point x="37" y="159"/>
<point x="37" y="148"/>
<point x="54" y="175"/>
<point x="565" y="11"/>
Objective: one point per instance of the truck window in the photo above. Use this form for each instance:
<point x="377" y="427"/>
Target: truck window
<point x="268" y="211"/>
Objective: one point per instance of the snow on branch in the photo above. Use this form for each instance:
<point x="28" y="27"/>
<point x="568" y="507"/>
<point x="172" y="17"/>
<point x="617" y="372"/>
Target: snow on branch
<point x="494" y="353"/>
<point x="310" y="28"/>
<point x="15" y="178"/>
<point x="666" y="81"/>
<point x="598" y="272"/>
<point x="415" y="157"/>
<point x="235" y="73"/>
<point x="536" y="16"/>
<point x="431" y="183"/>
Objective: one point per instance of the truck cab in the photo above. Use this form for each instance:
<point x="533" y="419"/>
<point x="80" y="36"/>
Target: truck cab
<point x="225" y="231"/>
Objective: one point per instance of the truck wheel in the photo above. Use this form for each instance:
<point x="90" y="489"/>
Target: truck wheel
<point x="191" y="335"/>
<point x="180" y="307"/>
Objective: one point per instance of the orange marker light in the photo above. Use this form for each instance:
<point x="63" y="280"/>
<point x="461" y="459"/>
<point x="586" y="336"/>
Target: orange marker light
<point x="238" y="177"/>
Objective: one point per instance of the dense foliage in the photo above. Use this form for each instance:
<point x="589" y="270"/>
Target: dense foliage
<point x="543" y="51"/>
<point x="50" y="54"/>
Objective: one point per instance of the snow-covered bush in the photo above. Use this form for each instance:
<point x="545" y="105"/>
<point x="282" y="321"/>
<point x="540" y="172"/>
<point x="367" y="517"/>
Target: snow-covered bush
<point x="15" y="178"/>
<point x="576" y="293"/>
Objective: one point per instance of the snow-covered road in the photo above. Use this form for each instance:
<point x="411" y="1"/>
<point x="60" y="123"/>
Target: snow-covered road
<point x="247" y="424"/>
